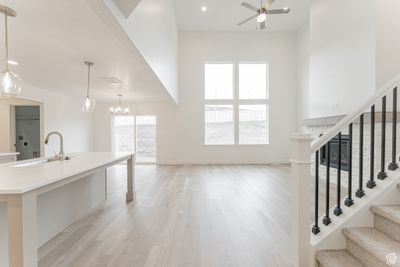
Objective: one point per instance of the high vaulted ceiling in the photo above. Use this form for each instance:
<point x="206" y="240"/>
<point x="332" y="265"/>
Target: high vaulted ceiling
<point x="223" y="15"/>
<point x="52" y="38"/>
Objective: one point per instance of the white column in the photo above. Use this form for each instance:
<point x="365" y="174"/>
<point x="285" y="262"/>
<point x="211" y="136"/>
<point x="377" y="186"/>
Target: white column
<point x="130" y="193"/>
<point x="301" y="200"/>
<point x="22" y="230"/>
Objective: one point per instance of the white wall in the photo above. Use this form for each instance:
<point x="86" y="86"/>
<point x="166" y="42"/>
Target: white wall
<point x="342" y="55"/>
<point x="153" y="30"/>
<point x="387" y="41"/>
<point x="5" y="138"/>
<point x="63" y="114"/>
<point x="180" y="129"/>
<point x="303" y="74"/>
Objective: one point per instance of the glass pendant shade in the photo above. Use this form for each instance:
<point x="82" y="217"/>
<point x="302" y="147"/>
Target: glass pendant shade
<point x="10" y="84"/>
<point x="88" y="104"/>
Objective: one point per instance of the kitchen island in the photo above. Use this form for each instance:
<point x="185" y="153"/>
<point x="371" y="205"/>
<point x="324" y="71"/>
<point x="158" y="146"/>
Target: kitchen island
<point x="23" y="183"/>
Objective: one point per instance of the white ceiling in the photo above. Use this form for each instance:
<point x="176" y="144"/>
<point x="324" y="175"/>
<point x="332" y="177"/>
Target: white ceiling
<point x="51" y="38"/>
<point x="223" y="15"/>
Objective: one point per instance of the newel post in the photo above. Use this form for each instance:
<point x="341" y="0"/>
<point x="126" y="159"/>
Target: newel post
<point x="301" y="199"/>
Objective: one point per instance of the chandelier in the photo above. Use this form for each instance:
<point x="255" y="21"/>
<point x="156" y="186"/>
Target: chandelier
<point x="119" y="110"/>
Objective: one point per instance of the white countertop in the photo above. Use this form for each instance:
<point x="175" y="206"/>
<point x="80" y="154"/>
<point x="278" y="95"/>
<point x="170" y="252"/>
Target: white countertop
<point x="6" y="154"/>
<point x="18" y="180"/>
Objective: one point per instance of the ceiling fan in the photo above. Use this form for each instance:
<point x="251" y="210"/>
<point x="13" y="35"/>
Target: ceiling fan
<point x="262" y="12"/>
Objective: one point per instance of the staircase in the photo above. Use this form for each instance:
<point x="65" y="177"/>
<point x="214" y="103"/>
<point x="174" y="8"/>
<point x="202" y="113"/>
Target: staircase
<point x="362" y="225"/>
<point x="367" y="246"/>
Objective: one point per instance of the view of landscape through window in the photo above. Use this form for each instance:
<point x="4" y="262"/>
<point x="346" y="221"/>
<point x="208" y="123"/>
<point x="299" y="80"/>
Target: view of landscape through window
<point x="228" y="105"/>
<point x="253" y="124"/>
<point x="124" y="133"/>
<point x="146" y="138"/>
<point x="219" y="124"/>
<point x="126" y="128"/>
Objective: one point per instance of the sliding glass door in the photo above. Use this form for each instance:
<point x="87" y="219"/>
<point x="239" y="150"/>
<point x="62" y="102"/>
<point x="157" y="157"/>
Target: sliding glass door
<point x="135" y="133"/>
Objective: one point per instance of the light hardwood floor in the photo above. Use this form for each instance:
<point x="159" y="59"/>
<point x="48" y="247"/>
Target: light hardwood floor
<point x="183" y="216"/>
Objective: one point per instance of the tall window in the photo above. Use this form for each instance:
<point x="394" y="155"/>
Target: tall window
<point x="236" y="103"/>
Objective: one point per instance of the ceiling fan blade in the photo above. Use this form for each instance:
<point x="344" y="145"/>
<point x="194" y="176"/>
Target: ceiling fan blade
<point x="247" y="5"/>
<point x="268" y="3"/>
<point x="278" y="11"/>
<point x="262" y="25"/>
<point x="246" y="20"/>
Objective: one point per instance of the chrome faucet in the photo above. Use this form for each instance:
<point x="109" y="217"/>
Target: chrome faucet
<point x="60" y="155"/>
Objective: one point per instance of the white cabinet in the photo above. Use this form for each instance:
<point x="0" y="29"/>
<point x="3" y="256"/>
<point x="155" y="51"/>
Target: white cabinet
<point x="8" y="158"/>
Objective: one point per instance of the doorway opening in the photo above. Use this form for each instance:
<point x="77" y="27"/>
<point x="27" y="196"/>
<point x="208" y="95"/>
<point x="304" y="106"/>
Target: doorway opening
<point x="27" y="131"/>
<point x="21" y="128"/>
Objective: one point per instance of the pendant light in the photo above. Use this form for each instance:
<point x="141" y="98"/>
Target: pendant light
<point x="119" y="110"/>
<point x="10" y="83"/>
<point x="88" y="103"/>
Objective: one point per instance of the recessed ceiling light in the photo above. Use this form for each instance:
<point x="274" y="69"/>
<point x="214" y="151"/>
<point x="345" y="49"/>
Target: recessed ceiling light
<point x="204" y="8"/>
<point x="12" y="62"/>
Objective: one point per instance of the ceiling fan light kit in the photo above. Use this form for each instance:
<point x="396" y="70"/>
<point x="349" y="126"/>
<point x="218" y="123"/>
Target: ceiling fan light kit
<point x="262" y="12"/>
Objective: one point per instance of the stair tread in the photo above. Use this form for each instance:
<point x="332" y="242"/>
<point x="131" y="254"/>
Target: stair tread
<point x="390" y="212"/>
<point x="373" y="241"/>
<point x="337" y="258"/>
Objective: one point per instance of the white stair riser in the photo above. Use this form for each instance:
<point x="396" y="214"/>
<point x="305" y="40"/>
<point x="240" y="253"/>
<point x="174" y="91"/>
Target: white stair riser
<point x="362" y="255"/>
<point x="387" y="227"/>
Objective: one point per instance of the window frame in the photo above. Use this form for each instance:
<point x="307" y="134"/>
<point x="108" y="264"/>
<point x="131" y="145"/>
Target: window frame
<point x="236" y="102"/>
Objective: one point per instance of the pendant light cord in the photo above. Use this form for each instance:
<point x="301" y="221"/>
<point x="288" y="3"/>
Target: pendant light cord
<point x="6" y="39"/>
<point x="88" y="81"/>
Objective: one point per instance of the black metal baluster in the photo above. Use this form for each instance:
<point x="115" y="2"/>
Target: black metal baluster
<point x="371" y="183"/>
<point x="382" y="174"/>
<point x="327" y="219"/>
<point x="338" y="209"/>
<point x="349" y="201"/>
<point x="315" y="228"/>
<point x="393" y="165"/>
<point x="360" y="192"/>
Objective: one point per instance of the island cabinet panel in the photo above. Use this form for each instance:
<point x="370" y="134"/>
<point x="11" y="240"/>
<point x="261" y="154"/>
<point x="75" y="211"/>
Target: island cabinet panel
<point x="59" y="208"/>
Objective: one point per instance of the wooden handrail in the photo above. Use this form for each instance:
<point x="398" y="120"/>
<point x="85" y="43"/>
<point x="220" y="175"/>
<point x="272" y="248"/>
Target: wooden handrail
<point x="320" y="142"/>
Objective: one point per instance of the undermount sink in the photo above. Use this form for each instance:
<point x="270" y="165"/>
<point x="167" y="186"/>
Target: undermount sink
<point x="36" y="162"/>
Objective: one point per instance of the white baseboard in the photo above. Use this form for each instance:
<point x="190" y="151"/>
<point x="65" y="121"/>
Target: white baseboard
<point x="209" y="162"/>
